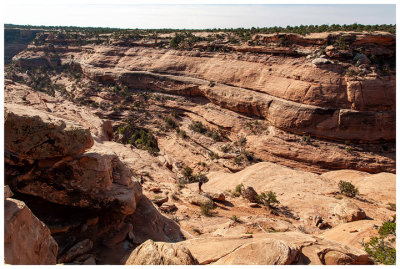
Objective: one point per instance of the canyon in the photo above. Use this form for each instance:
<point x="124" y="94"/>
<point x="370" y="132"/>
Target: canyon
<point x="107" y="134"/>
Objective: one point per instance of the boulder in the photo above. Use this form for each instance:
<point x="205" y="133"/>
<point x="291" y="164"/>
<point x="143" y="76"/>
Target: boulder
<point x="250" y="194"/>
<point x="149" y="223"/>
<point x="168" y="207"/>
<point x="321" y="61"/>
<point x="198" y="199"/>
<point x="26" y="239"/>
<point x="349" y="211"/>
<point x="32" y="134"/>
<point x="160" y="253"/>
<point x="265" y="252"/>
<point x="7" y="192"/>
<point x="219" y="197"/>
<point x="160" y="201"/>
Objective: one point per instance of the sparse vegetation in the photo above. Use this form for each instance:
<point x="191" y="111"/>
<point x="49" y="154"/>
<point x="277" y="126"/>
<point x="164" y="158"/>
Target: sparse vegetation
<point x="391" y="206"/>
<point x="348" y="189"/>
<point x="381" y="248"/>
<point x="170" y="123"/>
<point x="207" y="208"/>
<point x="268" y="199"/>
<point x="238" y="189"/>
<point x="140" y="138"/>
<point x="198" y="127"/>
<point x="226" y="148"/>
<point x="213" y="155"/>
<point x="235" y="218"/>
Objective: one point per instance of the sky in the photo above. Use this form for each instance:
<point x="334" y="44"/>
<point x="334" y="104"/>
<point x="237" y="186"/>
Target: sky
<point x="135" y="14"/>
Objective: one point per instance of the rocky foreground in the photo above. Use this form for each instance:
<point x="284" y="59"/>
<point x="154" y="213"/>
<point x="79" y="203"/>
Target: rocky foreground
<point x="105" y="139"/>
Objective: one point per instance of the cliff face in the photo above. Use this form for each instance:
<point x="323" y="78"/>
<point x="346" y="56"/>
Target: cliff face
<point x="16" y="40"/>
<point x="105" y="135"/>
<point x="298" y="89"/>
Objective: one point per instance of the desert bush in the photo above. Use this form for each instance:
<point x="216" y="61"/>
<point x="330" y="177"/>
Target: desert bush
<point x="235" y="218"/>
<point x="238" y="188"/>
<point x="140" y="138"/>
<point x="198" y="127"/>
<point x="187" y="172"/>
<point x="207" y="208"/>
<point x="348" y="189"/>
<point x="170" y="123"/>
<point x="144" y="140"/>
<point x="381" y="249"/>
<point x="268" y="199"/>
<point x="213" y="155"/>
<point x="226" y="148"/>
<point x="181" y="133"/>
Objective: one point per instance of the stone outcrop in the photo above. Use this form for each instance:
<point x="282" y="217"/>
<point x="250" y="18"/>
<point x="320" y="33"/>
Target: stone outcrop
<point x="148" y="223"/>
<point x="35" y="135"/>
<point x="159" y="253"/>
<point x="27" y="240"/>
<point x="348" y="211"/>
<point x="275" y="248"/>
<point x="292" y="94"/>
<point x="267" y="251"/>
<point x="60" y="171"/>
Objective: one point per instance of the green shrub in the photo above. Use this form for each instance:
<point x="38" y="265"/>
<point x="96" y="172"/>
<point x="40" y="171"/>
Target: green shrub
<point x="268" y="199"/>
<point x="200" y="177"/>
<point x="198" y="127"/>
<point x="181" y="133"/>
<point x="235" y="218"/>
<point x="348" y="189"/>
<point x="238" y="188"/>
<point x="306" y="138"/>
<point x="170" y="123"/>
<point x="140" y="138"/>
<point x="226" y="148"/>
<point x="187" y="172"/>
<point x="213" y="155"/>
<point x="144" y="140"/>
<point x="207" y="208"/>
<point x="381" y="248"/>
<point x="387" y="228"/>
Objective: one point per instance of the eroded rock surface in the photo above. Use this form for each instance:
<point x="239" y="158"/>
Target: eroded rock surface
<point x="27" y="240"/>
<point x="159" y="253"/>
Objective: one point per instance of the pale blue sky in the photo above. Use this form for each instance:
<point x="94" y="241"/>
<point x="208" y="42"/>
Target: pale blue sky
<point x="124" y="15"/>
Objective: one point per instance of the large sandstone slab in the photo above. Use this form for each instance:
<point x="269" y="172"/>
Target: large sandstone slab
<point x="32" y="134"/>
<point x="27" y="240"/>
<point x="160" y="253"/>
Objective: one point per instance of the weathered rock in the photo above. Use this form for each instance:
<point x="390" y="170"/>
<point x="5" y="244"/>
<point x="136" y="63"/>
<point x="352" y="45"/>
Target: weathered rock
<point x="7" y="192"/>
<point x="31" y="134"/>
<point x="148" y="223"/>
<point x="168" y="207"/>
<point x="286" y="246"/>
<point x="265" y="252"/>
<point x="26" y="239"/>
<point x="160" y="201"/>
<point x="349" y="211"/>
<point x="249" y="193"/>
<point x="78" y="249"/>
<point x="159" y="253"/>
<point x="254" y="205"/>
<point x="220" y="197"/>
<point x="321" y="61"/>
<point x="198" y="199"/>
